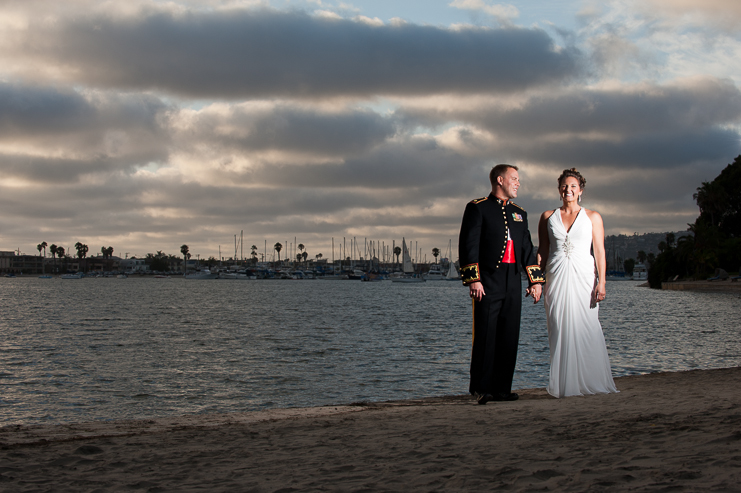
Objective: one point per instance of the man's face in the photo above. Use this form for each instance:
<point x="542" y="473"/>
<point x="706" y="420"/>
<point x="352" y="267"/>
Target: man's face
<point x="509" y="183"/>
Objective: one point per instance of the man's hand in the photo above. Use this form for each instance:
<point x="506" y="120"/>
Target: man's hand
<point x="536" y="290"/>
<point x="476" y="290"/>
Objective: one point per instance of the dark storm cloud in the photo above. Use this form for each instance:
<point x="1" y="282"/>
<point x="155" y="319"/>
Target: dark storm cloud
<point x="658" y="150"/>
<point x="75" y="134"/>
<point x="49" y="170"/>
<point x="27" y="110"/>
<point x="651" y="126"/>
<point x="629" y="110"/>
<point x="266" y="53"/>
<point x="410" y="164"/>
<point x="293" y="129"/>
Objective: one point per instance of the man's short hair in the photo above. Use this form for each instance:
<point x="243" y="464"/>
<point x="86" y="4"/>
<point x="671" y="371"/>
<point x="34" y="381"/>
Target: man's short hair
<point x="499" y="170"/>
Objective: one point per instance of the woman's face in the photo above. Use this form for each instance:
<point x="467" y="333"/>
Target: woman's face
<point x="569" y="189"/>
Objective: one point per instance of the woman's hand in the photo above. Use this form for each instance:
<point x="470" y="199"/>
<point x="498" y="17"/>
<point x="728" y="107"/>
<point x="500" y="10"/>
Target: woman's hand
<point x="600" y="292"/>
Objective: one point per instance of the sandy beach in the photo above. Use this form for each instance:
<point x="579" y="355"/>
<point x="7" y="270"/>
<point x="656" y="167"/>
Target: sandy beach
<point x="662" y="432"/>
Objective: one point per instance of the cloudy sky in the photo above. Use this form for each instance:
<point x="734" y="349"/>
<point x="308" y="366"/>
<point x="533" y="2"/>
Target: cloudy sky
<point x="148" y="124"/>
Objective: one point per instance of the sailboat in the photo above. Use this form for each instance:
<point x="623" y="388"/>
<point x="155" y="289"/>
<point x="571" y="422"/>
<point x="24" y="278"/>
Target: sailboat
<point x="452" y="274"/>
<point x="407" y="267"/>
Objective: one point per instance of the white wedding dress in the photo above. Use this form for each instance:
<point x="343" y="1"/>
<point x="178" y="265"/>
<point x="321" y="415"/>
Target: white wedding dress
<point x="579" y="361"/>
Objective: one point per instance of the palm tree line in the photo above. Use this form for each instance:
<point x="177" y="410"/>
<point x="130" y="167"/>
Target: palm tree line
<point x="161" y="261"/>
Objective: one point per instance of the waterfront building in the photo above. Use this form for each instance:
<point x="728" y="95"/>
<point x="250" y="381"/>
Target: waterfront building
<point x="14" y="263"/>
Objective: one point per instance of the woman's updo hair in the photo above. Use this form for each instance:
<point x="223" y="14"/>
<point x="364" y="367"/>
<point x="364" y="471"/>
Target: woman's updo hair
<point x="572" y="172"/>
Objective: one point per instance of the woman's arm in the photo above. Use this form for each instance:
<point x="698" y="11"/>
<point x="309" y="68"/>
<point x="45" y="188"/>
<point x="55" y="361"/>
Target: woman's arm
<point x="598" y="244"/>
<point x="544" y="242"/>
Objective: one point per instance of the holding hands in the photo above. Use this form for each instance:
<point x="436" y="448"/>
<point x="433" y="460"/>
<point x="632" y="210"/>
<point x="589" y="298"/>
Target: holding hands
<point x="536" y="290"/>
<point x="476" y="290"/>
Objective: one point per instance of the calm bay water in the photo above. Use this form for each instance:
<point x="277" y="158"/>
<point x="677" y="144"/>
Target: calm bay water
<point x="100" y="349"/>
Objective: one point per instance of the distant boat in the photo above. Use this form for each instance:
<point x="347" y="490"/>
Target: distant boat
<point x="435" y="273"/>
<point x="452" y="274"/>
<point x="333" y="277"/>
<point x="408" y="276"/>
<point x="245" y="275"/>
<point x="201" y="274"/>
<point x="408" y="279"/>
<point x="122" y="276"/>
<point x="79" y="275"/>
<point x="10" y="275"/>
<point x="46" y="276"/>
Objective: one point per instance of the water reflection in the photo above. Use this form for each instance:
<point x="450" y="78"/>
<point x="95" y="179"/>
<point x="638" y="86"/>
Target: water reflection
<point x="110" y="348"/>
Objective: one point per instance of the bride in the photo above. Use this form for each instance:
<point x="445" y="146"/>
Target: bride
<point x="579" y="361"/>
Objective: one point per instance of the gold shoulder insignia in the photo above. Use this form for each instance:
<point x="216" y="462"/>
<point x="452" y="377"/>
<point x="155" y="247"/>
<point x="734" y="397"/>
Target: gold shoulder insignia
<point x="516" y="205"/>
<point x="478" y="201"/>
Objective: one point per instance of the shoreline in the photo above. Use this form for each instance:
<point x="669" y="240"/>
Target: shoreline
<point x="727" y="286"/>
<point x="676" y="431"/>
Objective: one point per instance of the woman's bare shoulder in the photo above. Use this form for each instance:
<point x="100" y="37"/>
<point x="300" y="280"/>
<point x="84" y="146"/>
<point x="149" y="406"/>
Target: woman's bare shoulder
<point x="546" y="215"/>
<point x="593" y="215"/>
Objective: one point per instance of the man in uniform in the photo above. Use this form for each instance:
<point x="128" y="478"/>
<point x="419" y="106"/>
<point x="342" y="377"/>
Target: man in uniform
<point x="494" y="248"/>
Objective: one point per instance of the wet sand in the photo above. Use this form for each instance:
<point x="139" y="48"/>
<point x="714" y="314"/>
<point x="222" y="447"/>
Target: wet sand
<point x="662" y="432"/>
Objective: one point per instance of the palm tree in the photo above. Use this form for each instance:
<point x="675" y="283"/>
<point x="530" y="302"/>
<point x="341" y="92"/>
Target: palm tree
<point x="39" y="247"/>
<point x="186" y="255"/>
<point x="435" y="253"/>
<point x="711" y="198"/>
<point x="650" y="258"/>
<point x="278" y="247"/>
<point x="109" y="254"/>
<point x="304" y="255"/>
<point x="60" y="254"/>
<point x="670" y="239"/>
<point x="253" y="255"/>
<point x="641" y="256"/>
<point x="82" y="250"/>
<point x="397" y="252"/>
<point x="53" y="250"/>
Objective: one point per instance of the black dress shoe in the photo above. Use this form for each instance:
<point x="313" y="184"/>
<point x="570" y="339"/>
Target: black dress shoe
<point x="483" y="398"/>
<point x="502" y="396"/>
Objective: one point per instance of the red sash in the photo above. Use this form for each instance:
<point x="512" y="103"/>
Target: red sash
<point x="509" y="253"/>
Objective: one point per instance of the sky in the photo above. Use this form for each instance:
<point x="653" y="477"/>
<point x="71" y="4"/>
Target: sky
<point x="145" y="125"/>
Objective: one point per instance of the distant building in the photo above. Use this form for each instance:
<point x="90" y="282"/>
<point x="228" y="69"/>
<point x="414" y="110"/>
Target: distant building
<point x="133" y="265"/>
<point x="10" y="263"/>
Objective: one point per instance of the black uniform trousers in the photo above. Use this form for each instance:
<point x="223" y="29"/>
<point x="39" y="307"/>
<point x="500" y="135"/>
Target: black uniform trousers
<point x="496" y="331"/>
